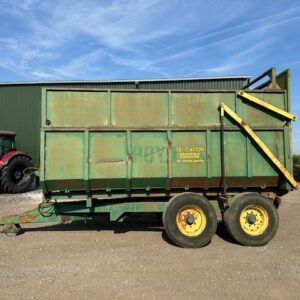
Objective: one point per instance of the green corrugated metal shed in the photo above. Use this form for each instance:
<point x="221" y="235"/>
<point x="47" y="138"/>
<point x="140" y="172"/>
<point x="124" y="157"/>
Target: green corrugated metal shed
<point x="21" y="101"/>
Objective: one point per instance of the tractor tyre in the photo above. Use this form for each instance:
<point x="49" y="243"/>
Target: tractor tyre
<point x="13" y="178"/>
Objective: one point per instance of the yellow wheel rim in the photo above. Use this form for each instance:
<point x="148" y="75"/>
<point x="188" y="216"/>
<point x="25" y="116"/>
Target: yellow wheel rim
<point x="254" y="220"/>
<point x="191" y="220"/>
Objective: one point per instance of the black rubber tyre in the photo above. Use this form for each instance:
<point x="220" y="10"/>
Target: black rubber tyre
<point x="13" y="180"/>
<point x="265" y="222"/>
<point x="176" y="208"/>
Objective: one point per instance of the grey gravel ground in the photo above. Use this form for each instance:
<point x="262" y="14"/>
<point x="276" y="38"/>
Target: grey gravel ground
<point x="133" y="260"/>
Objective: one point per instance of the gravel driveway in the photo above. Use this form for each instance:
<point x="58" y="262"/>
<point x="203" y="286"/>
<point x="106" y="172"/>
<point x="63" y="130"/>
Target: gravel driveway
<point x="134" y="260"/>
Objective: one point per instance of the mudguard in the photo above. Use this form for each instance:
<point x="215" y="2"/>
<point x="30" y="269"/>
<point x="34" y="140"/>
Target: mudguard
<point x="5" y="159"/>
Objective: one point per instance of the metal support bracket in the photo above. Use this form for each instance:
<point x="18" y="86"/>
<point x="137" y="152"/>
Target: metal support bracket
<point x="222" y="152"/>
<point x="260" y="143"/>
<point x="267" y="105"/>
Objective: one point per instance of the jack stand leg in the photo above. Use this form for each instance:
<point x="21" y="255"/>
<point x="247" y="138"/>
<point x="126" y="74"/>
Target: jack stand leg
<point x="12" y="229"/>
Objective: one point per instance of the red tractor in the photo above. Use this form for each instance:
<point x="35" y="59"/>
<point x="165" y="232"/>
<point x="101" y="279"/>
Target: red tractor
<point x="16" y="167"/>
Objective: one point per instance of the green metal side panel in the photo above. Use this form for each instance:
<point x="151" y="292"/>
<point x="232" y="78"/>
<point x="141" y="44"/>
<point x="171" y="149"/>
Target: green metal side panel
<point x="215" y="154"/>
<point x="139" y="109"/>
<point x="77" y="109"/>
<point x="189" y="154"/>
<point x="235" y="154"/>
<point x="274" y="141"/>
<point x="185" y="105"/>
<point x="149" y="159"/>
<point x="64" y="160"/>
<point x="108" y="160"/>
<point x="242" y="157"/>
<point x="261" y="117"/>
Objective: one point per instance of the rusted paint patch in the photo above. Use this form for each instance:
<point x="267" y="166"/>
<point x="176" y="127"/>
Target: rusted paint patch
<point x="99" y="161"/>
<point x="66" y="218"/>
<point x="27" y="218"/>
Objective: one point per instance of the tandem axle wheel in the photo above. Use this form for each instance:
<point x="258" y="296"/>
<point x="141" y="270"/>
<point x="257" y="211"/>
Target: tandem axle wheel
<point x="252" y="219"/>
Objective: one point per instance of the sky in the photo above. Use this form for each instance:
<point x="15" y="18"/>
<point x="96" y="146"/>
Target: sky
<point x="83" y="40"/>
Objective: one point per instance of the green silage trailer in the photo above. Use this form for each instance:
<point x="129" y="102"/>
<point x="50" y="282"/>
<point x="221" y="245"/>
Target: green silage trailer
<point x="197" y="156"/>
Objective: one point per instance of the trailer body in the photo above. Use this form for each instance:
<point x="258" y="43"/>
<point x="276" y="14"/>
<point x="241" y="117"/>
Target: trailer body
<point x="121" y="142"/>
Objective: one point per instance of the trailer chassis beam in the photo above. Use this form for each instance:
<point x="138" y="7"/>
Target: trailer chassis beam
<point x="49" y="212"/>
